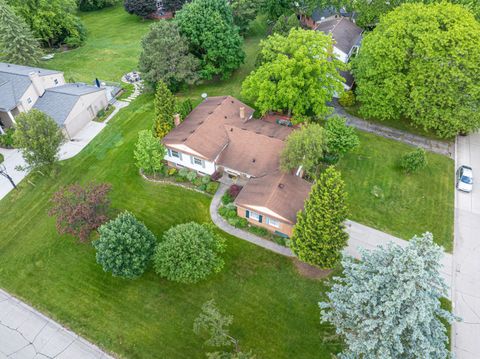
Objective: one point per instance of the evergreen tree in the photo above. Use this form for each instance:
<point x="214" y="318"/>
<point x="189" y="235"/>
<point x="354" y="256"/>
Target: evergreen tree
<point x="388" y="304"/>
<point x="17" y="43"/>
<point x="164" y="110"/>
<point x="319" y="235"/>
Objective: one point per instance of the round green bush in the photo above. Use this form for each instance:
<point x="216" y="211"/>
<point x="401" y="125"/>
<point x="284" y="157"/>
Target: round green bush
<point x="188" y="253"/>
<point x="125" y="246"/>
<point x="347" y="99"/>
<point x="414" y="161"/>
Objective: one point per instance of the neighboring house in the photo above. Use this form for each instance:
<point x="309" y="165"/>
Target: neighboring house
<point x="347" y="38"/>
<point x="72" y="106"/>
<point x="220" y="135"/>
<point x="346" y="34"/>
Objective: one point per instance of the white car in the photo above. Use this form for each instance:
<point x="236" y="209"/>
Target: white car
<point x="465" y="179"/>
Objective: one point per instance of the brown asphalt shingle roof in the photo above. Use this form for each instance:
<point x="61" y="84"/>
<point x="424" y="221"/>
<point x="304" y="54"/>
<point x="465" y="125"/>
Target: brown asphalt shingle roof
<point x="283" y="194"/>
<point x="215" y="130"/>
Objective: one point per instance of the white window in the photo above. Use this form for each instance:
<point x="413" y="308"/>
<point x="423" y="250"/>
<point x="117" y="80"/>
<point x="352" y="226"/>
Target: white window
<point x="55" y="81"/>
<point x="273" y="222"/>
<point x="197" y="161"/>
<point x="254" y="215"/>
<point x="29" y="100"/>
<point x="176" y="154"/>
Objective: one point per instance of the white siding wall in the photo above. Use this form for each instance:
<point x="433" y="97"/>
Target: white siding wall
<point x="186" y="160"/>
<point x="340" y="55"/>
<point x="31" y="93"/>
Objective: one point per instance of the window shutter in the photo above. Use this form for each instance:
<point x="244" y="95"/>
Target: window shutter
<point x="169" y="152"/>
<point x="191" y="160"/>
<point x="203" y="163"/>
<point x="180" y="155"/>
<point x="247" y="213"/>
<point x="260" y="217"/>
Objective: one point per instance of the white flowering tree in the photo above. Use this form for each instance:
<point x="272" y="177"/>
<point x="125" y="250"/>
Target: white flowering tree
<point x="388" y="304"/>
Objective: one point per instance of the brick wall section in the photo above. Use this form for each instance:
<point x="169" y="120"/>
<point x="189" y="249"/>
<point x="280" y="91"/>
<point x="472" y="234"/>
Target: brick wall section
<point x="285" y="228"/>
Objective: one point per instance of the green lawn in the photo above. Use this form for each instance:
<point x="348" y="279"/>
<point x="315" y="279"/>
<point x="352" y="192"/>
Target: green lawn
<point x="111" y="49"/>
<point x="275" y="310"/>
<point x="405" y="204"/>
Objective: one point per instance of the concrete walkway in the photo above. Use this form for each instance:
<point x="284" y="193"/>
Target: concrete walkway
<point x="360" y="237"/>
<point x="441" y="147"/>
<point x="27" y="334"/>
<point x="466" y="256"/>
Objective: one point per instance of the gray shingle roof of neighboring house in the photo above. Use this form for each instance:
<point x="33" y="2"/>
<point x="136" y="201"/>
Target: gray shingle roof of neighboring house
<point x="319" y="14"/>
<point x="345" y="33"/>
<point x="14" y="81"/>
<point x="58" y="102"/>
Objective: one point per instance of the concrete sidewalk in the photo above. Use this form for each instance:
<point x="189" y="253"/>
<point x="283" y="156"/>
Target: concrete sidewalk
<point x="25" y="333"/>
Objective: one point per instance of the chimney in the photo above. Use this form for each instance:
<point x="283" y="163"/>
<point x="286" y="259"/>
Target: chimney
<point x="177" y="120"/>
<point x="242" y="113"/>
<point x="37" y="83"/>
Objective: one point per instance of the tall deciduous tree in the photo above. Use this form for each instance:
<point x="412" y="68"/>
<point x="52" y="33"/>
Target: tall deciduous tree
<point x="164" y="110"/>
<point x="38" y="137"/>
<point x="212" y="36"/>
<point x="319" y="235"/>
<point x="17" y="43"/>
<point x="387" y="305"/>
<point x="52" y="21"/>
<point x="79" y="210"/>
<point x="165" y="57"/>
<point x="244" y="12"/>
<point x="370" y="11"/>
<point x="298" y="74"/>
<point x="285" y="23"/>
<point x="408" y="67"/>
<point x="91" y="5"/>
<point x="304" y="147"/>
<point x="149" y="152"/>
<point x="142" y="8"/>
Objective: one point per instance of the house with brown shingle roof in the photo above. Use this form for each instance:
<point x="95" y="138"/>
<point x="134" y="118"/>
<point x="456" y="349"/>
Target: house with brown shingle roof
<point x="220" y="134"/>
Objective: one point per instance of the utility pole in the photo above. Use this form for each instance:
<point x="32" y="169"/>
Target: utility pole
<point x="3" y="172"/>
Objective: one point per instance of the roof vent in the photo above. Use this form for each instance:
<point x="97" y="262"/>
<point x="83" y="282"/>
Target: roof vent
<point x="253" y="160"/>
<point x="225" y="117"/>
<point x="183" y="140"/>
<point x="201" y="122"/>
<point x="233" y="101"/>
<point x="210" y="112"/>
<point x="192" y="131"/>
<point x="231" y="129"/>
<point x="281" y="185"/>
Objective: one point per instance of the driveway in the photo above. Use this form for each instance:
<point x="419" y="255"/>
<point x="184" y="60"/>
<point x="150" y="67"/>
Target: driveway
<point x="466" y="256"/>
<point x="12" y="159"/>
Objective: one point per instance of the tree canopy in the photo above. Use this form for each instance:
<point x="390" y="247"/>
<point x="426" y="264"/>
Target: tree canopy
<point x="90" y="5"/>
<point x="79" y="210"/>
<point x="149" y="152"/>
<point x="408" y="68"/>
<point x="125" y="246"/>
<point x="285" y="23"/>
<point x="165" y="106"/>
<point x="165" y="57"/>
<point x="212" y="36"/>
<point x="387" y="305"/>
<point x="142" y="8"/>
<point x="370" y="11"/>
<point x="244" y="12"/>
<point x="52" y="21"/>
<point x="38" y="137"/>
<point x="304" y="147"/>
<point x="297" y="74"/>
<point x="340" y="138"/>
<point x="319" y="235"/>
<point x="17" y="43"/>
<point x="188" y="253"/>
